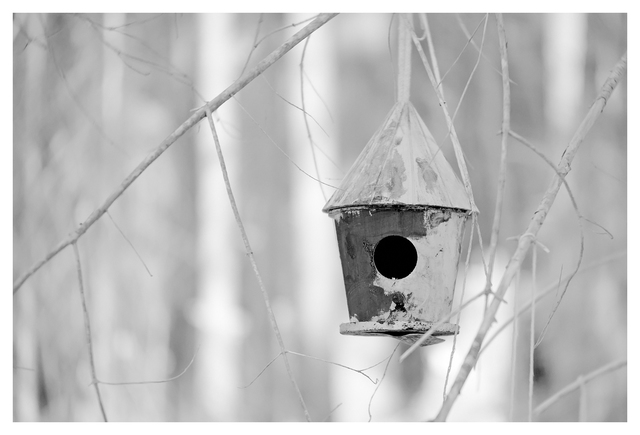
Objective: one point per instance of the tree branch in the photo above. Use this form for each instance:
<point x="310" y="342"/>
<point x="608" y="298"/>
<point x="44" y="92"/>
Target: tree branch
<point x="454" y="136"/>
<point x="249" y="251"/>
<point x="548" y="291"/>
<point x="578" y="382"/>
<point x="87" y="326"/>
<point x="212" y="105"/>
<point x="506" y="127"/>
<point x="534" y="226"/>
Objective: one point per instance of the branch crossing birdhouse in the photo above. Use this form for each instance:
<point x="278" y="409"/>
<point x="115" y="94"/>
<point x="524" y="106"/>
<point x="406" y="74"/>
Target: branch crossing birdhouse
<point x="399" y="215"/>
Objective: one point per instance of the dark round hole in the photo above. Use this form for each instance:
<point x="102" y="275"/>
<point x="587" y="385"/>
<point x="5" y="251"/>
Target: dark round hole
<point x="395" y="257"/>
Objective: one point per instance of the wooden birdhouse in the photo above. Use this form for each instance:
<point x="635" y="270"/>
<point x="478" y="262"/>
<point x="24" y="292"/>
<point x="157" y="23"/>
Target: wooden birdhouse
<point x="399" y="214"/>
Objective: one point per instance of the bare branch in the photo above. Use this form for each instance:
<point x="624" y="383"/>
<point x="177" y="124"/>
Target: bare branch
<point x="405" y="26"/>
<point x="534" y="226"/>
<point x="130" y="244"/>
<point x="506" y="127"/>
<point x="212" y="105"/>
<point x="464" y="286"/>
<point x="361" y="371"/>
<point x="473" y="71"/>
<point x="615" y="365"/>
<point x="580" y="218"/>
<point x="332" y="411"/>
<point x="532" y="326"/>
<point x="470" y="39"/>
<point x="262" y="371"/>
<point x="547" y="291"/>
<point x="435" y="327"/>
<point x="432" y="50"/>
<point x="87" y="326"/>
<point x="514" y="353"/>
<point x="381" y="379"/>
<point x="306" y="121"/>
<point x="475" y="67"/>
<point x="275" y="91"/>
<point x="337" y="364"/>
<point x="283" y="152"/>
<point x="254" y="45"/>
<point x="254" y="265"/>
<point x="454" y="136"/>
<point x="161" y="381"/>
<point x="131" y="23"/>
<point x="169" y="70"/>
<point x="280" y="29"/>
<point x="80" y="106"/>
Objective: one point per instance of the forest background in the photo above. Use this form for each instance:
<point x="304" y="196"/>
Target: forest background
<point x="166" y="277"/>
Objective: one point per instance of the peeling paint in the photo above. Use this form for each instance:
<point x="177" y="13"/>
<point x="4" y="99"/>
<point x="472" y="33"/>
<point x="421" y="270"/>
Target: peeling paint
<point x="429" y="176"/>
<point x="406" y="188"/>
<point x="401" y="164"/>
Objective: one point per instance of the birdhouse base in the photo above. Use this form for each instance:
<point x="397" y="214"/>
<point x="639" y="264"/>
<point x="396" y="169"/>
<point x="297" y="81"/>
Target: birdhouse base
<point x="407" y="332"/>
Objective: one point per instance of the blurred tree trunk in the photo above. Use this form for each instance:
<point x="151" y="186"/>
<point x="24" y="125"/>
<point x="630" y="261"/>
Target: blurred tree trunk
<point x="264" y="202"/>
<point x="66" y="162"/>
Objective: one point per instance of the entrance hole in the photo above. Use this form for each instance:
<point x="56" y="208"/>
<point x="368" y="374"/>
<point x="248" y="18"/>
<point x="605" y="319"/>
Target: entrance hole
<point x="395" y="257"/>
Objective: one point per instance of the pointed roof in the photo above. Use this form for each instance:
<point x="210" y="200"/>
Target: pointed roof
<point x="401" y="165"/>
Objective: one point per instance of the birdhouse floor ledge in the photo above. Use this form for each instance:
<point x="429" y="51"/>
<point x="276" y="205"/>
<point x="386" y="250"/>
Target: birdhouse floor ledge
<point x="408" y="332"/>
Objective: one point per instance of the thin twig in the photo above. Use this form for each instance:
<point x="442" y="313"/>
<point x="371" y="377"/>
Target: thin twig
<point x="87" y="328"/>
<point x="466" y="86"/>
<point x="170" y="70"/>
<point x="534" y="226"/>
<point x="332" y="411"/>
<point x="432" y="51"/>
<point x="464" y="286"/>
<point x="381" y="379"/>
<point x="249" y="251"/>
<point x="277" y="94"/>
<point x="306" y="121"/>
<point x="361" y="371"/>
<point x="262" y="371"/>
<point x="404" y="58"/>
<point x="336" y="364"/>
<point x="454" y="136"/>
<point x="514" y="343"/>
<point x="283" y="152"/>
<point x="506" y="127"/>
<point x="254" y="45"/>
<point x="280" y="29"/>
<point x="548" y="291"/>
<point x="394" y="66"/>
<point x="435" y="327"/>
<point x="615" y="365"/>
<point x="198" y="115"/>
<point x="324" y="103"/>
<point x="580" y="226"/>
<point x="473" y="71"/>
<point x="481" y="244"/>
<point x="532" y="327"/>
<point x="81" y="107"/>
<point x="161" y="381"/>
<point x="21" y="30"/>
<point x="130" y="244"/>
<point x="470" y="39"/>
<point x="305" y="113"/>
<point x="131" y="23"/>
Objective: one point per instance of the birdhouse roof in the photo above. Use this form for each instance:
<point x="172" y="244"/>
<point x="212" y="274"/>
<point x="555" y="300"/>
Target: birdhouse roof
<point x="401" y="165"/>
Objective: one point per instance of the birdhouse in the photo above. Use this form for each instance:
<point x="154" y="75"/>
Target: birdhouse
<point x="399" y="215"/>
